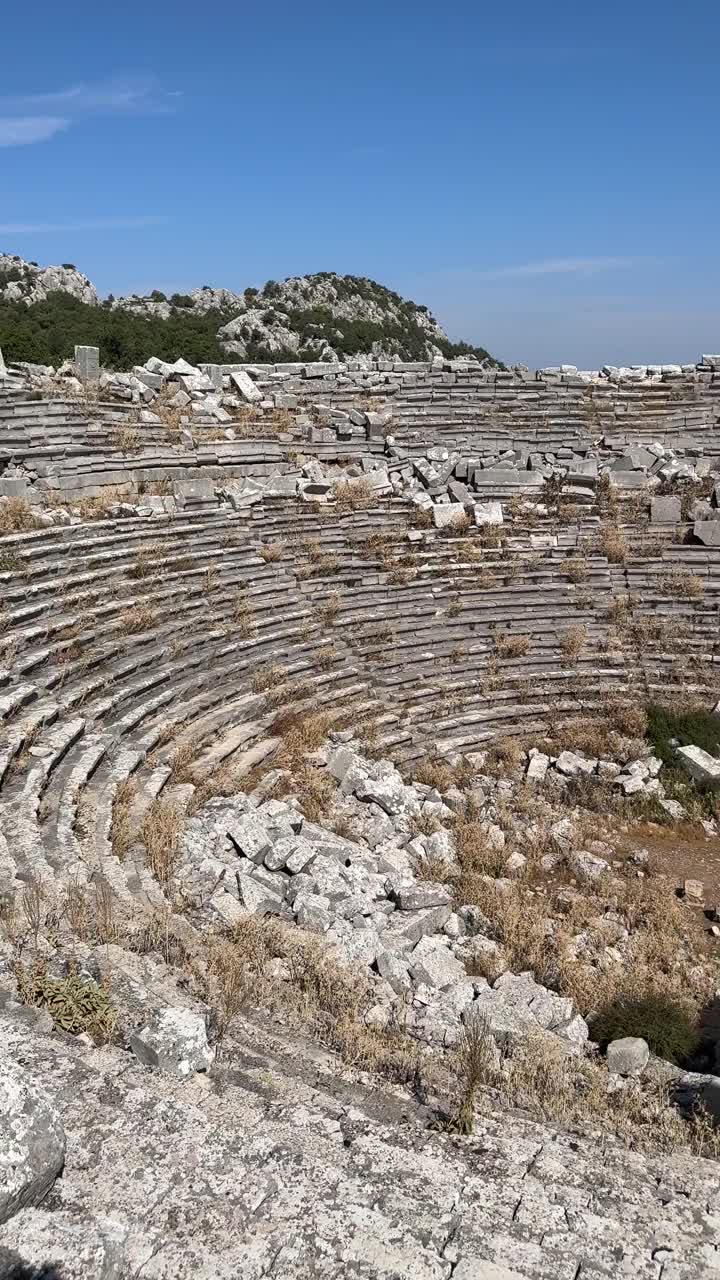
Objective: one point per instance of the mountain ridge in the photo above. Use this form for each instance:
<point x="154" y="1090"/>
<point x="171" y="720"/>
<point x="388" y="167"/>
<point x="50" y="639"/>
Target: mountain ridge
<point x="321" y="316"/>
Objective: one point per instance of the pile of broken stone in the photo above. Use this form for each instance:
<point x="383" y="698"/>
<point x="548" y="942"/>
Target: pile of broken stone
<point x="367" y="899"/>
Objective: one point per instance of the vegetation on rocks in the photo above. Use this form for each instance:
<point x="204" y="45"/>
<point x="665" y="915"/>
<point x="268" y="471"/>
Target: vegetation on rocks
<point x="664" y="1024"/>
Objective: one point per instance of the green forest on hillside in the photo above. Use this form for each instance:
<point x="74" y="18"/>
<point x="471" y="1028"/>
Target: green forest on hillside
<point x="46" y="333"/>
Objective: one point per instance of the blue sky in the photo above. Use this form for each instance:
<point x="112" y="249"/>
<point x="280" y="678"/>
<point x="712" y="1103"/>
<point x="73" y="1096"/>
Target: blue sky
<point x="544" y="177"/>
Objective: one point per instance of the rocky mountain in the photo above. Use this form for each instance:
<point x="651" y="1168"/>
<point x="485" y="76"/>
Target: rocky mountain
<point x="22" y="281"/>
<point x="325" y="316"/>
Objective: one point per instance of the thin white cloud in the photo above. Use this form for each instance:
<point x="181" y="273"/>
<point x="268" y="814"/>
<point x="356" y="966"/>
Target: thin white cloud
<point x="558" y="266"/>
<point x="19" y="131"/>
<point x="91" y="224"/>
<point x="35" y="117"/>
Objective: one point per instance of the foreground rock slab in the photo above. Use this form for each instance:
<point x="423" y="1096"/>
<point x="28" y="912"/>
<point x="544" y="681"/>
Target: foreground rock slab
<point x="32" y="1141"/>
<point x="282" y="1164"/>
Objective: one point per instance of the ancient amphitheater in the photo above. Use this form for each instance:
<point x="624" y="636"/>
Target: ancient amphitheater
<point x="272" y="640"/>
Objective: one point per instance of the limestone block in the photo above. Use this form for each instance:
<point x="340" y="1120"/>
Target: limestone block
<point x="250" y="836"/>
<point x="538" y="765"/>
<point x="707" y="532"/>
<point x="665" y="511"/>
<point x="628" y="1056"/>
<point x="433" y="963"/>
<point x="87" y="363"/>
<point x="448" y="514"/>
<point x="174" y="1041"/>
<point x="32" y="1140"/>
<point x="416" y="896"/>
<point x="700" y="765"/>
<point x="488" y="513"/>
<point x="245" y="385"/>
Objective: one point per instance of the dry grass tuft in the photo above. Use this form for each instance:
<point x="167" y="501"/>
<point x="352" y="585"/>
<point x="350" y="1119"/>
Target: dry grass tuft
<point x="680" y="582"/>
<point x="576" y="569"/>
<point x="612" y="544"/>
<point x="146" y="563"/>
<point x="353" y="495"/>
<point x="317" y="993"/>
<point x="271" y="552"/>
<point x="127" y="438"/>
<point x="159" y="833"/>
<point x="242" y="616"/>
<point x="511" y="646"/>
<point x="17" y="516"/>
<point x="140" y="618"/>
<point x="268" y="678"/>
<point x="329" y="610"/>
<point x="120" y="828"/>
<point x="572" y="642"/>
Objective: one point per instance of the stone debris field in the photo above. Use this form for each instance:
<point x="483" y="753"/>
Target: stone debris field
<point x="329" y="813"/>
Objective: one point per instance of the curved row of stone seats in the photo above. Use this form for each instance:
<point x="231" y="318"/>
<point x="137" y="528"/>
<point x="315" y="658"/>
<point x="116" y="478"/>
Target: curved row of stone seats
<point x="78" y="452"/>
<point x="429" y="619"/>
<point x="534" y="409"/>
<point x="422" y="634"/>
<point x="126" y="700"/>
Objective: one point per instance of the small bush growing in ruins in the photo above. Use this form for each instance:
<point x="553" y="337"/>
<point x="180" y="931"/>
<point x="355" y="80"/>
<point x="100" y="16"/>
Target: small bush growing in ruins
<point x="572" y="642"/>
<point x="10" y="560"/>
<point x="512" y="646"/>
<point x="664" y="1024"/>
<point x="16" y="516"/>
<point x="696" y="726"/>
<point x="159" y="833"/>
<point x="329" y="610"/>
<point x="612" y="544"/>
<point x="127" y="438"/>
<point x="139" y="618"/>
<point x="268" y="678"/>
<point x="271" y="552"/>
<point x="680" y="582"/>
<point x="353" y="495"/>
<point x="75" y="1004"/>
<point x="576" y="569"/>
<point x="399" y="577"/>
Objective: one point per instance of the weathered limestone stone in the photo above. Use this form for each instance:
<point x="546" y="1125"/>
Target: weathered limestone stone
<point x="414" y="897"/>
<point x="175" y="1041"/>
<point x="488" y="513"/>
<point x="708" y="532"/>
<point x="538" y="765"/>
<point x="570" y="763"/>
<point x="433" y="963"/>
<point x="250" y="836"/>
<point x="694" y="890"/>
<point x="700" y="764"/>
<point x="628" y="1056"/>
<point x="87" y="363"/>
<point x="32" y="1140"/>
<point x="245" y="385"/>
<point x="665" y="510"/>
<point x="448" y="514"/>
<point x="479" y="1269"/>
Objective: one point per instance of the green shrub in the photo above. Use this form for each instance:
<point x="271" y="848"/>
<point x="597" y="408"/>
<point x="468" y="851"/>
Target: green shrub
<point x="664" y="1024"/>
<point x="697" y="727"/>
<point x="75" y="1004"/>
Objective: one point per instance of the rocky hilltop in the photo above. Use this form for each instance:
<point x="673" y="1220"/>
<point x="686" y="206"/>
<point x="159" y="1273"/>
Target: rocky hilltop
<point x="22" y="281"/>
<point x="325" y="316"/>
